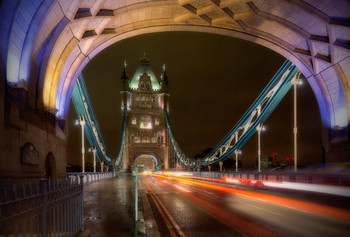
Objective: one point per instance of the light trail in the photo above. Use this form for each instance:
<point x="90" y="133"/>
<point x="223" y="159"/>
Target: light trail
<point x="316" y="208"/>
<point x="317" y="188"/>
<point x="236" y="221"/>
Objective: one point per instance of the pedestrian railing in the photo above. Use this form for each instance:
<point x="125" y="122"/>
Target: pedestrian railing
<point x="91" y="177"/>
<point x="41" y="207"/>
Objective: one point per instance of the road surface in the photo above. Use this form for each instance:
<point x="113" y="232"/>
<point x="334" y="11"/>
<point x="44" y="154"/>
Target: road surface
<point x="194" y="208"/>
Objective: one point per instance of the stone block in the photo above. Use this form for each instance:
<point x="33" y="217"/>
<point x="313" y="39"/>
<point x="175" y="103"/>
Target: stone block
<point x="37" y="3"/>
<point x="42" y="134"/>
<point x="51" y="138"/>
<point x="53" y="148"/>
<point x="33" y="130"/>
<point x="16" y="122"/>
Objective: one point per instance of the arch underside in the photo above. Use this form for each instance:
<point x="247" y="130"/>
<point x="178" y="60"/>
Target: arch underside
<point x="149" y="161"/>
<point x="48" y="42"/>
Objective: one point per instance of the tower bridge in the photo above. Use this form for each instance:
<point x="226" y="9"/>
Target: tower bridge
<point x="45" y="45"/>
<point x="145" y="97"/>
<point x="147" y="134"/>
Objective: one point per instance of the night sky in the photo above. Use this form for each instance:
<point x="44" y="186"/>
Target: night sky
<point x="212" y="81"/>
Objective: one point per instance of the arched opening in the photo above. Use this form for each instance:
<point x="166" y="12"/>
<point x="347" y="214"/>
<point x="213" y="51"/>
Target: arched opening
<point x="146" y="162"/>
<point x="50" y="166"/>
<point x="217" y="105"/>
<point x="55" y="49"/>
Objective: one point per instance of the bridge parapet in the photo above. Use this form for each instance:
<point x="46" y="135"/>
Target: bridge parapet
<point x="91" y="177"/>
<point x="41" y="207"/>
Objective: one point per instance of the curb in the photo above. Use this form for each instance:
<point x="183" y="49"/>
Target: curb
<point x="150" y="224"/>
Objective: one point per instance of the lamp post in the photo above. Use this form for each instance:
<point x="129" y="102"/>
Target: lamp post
<point x="101" y="166"/>
<point x="237" y="152"/>
<point x="295" y="81"/>
<point x="93" y="150"/>
<point x="81" y="122"/>
<point x="259" y="128"/>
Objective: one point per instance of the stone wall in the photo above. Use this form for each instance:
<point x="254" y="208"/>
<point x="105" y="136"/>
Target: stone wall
<point x="23" y="125"/>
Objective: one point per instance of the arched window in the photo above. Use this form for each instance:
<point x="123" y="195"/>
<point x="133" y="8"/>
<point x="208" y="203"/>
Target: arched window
<point x="133" y="121"/>
<point x="145" y="83"/>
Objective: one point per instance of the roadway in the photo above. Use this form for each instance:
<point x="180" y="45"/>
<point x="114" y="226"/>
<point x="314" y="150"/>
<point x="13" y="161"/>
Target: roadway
<point x="184" y="207"/>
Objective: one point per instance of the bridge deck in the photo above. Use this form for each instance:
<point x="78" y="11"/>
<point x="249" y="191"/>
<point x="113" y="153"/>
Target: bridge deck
<point x="109" y="207"/>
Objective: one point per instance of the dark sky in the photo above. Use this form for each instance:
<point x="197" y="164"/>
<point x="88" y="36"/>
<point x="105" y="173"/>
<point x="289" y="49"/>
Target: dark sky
<point x="212" y="81"/>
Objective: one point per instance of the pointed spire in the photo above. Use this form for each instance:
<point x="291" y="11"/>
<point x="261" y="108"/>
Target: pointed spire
<point x="124" y="74"/>
<point x="164" y="75"/>
<point x="164" y="80"/>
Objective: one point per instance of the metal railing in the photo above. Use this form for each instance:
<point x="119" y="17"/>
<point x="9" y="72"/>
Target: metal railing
<point x="40" y="207"/>
<point x="91" y="177"/>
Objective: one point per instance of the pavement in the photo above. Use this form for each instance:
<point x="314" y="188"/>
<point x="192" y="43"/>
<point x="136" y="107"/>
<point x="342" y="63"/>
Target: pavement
<point x="109" y="209"/>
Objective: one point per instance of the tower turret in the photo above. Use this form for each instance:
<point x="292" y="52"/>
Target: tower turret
<point x="147" y="142"/>
<point x="125" y="79"/>
<point x="164" y="82"/>
<point x="144" y="76"/>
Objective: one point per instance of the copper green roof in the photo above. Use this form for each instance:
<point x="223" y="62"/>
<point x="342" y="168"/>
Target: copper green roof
<point x="144" y="67"/>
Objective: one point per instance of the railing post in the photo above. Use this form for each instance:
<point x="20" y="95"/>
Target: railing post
<point x="82" y="203"/>
<point x="43" y="183"/>
<point x="136" y="199"/>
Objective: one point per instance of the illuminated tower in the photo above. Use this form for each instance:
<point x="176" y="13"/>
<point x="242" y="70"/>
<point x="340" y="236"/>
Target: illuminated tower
<point x="145" y="96"/>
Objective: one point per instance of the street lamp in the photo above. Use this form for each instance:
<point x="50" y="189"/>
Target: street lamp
<point x="295" y="81"/>
<point x="101" y="166"/>
<point x="259" y="128"/>
<point x="237" y="152"/>
<point x="81" y="122"/>
<point x="93" y="150"/>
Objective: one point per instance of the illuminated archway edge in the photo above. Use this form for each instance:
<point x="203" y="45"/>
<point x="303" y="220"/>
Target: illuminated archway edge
<point x="147" y="156"/>
<point x="317" y="84"/>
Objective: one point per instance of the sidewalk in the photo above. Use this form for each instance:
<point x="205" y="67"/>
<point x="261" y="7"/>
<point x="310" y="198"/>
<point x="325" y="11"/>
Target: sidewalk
<point x="109" y="207"/>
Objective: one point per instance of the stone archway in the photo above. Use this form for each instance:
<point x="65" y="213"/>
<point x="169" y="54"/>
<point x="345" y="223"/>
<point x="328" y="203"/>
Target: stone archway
<point x="44" y="45"/>
<point x="149" y="161"/>
<point x="50" y="166"/>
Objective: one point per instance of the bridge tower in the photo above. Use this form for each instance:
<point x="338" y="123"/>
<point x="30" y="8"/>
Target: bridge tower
<point x="146" y="137"/>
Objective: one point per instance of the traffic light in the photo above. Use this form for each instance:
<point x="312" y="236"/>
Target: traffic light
<point x="157" y="167"/>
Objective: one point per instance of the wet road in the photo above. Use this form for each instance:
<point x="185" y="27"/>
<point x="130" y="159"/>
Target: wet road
<point x="109" y="207"/>
<point x="187" y="208"/>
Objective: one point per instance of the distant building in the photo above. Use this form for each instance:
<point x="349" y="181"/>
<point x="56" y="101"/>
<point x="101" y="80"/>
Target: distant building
<point x="145" y="96"/>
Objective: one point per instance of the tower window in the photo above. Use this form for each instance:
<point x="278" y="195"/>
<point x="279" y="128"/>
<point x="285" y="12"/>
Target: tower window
<point x="133" y="121"/>
<point x="145" y="83"/>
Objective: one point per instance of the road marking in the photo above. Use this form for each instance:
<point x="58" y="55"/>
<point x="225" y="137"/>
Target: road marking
<point x="165" y="214"/>
<point x="161" y="211"/>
